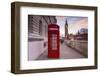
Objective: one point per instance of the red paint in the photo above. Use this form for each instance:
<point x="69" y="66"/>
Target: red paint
<point x="53" y="41"/>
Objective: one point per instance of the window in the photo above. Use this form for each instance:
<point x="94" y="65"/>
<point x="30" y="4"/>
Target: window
<point x="53" y="41"/>
<point x="40" y="27"/>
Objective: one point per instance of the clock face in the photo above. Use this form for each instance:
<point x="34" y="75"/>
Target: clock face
<point x="66" y="26"/>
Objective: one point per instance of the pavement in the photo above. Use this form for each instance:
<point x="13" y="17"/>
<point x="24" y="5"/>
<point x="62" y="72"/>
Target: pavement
<point x="66" y="52"/>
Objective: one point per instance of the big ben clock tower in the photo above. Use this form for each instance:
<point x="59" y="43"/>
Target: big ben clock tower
<point x="66" y="28"/>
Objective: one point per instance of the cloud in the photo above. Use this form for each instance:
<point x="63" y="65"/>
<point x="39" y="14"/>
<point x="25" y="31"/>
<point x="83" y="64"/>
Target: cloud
<point x="74" y="27"/>
<point x="74" y="23"/>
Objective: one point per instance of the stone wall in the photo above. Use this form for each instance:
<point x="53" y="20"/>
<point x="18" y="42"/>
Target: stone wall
<point x="38" y="34"/>
<point x="79" y="46"/>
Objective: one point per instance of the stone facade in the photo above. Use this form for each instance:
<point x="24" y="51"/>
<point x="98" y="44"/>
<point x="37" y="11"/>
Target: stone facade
<point x="38" y="34"/>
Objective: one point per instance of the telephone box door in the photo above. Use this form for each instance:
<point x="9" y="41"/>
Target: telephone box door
<point x="53" y="41"/>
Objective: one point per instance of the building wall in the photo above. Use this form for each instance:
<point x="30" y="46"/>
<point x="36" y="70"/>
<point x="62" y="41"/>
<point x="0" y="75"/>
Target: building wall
<point x="38" y="34"/>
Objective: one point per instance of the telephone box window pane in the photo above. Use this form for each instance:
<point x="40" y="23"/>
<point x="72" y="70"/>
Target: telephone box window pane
<point x="53" y="42"/>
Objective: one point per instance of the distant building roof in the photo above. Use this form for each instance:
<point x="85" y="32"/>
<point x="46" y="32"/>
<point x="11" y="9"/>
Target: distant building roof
<point x="83" y="30"/>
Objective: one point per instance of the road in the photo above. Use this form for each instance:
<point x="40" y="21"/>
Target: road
<point x="65" y="53"/>
<point x="68" y="53"/>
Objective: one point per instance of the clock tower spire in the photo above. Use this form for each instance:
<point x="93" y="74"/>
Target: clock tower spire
<point x="66" y="28"/>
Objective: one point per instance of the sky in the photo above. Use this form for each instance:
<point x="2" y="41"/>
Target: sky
<point x="74" y="23"/>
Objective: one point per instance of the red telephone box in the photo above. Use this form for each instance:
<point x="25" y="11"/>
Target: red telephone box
<point x="53" y="41"/>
